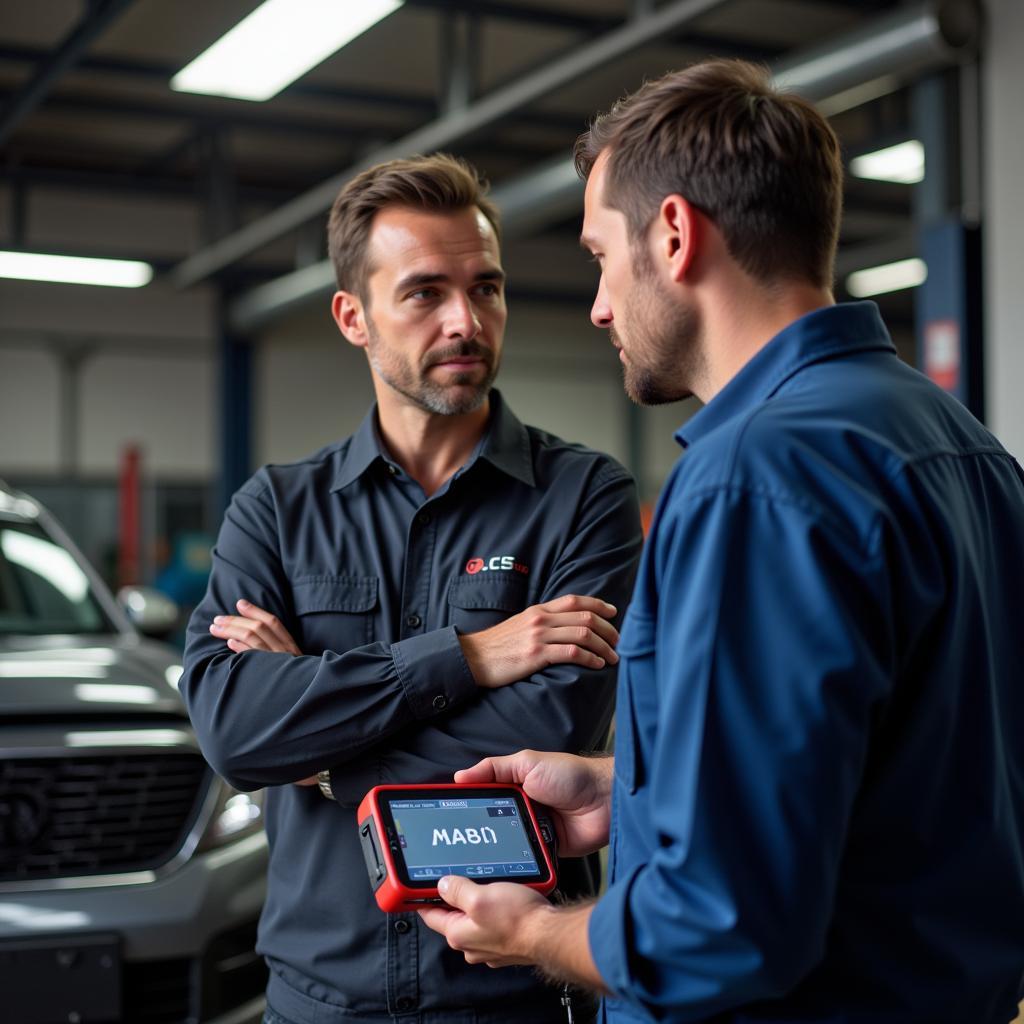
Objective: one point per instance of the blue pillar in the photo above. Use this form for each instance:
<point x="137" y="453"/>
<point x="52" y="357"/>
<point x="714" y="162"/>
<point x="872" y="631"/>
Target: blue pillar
<point x="235" y="416"/>
<point x="948" y="306"/>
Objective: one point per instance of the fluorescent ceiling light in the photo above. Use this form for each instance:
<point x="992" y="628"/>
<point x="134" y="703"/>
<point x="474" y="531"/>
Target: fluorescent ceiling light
<point x="903" y="163"/>
<point x="890" y="277"/>
<point x="278" y="42"/>
<point x="37" y="266"/>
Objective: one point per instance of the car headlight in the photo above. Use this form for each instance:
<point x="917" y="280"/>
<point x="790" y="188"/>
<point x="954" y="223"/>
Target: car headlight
<point x="235" y="815"/>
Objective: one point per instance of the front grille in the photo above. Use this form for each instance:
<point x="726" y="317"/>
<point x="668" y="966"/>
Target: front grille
<point x="94" y="814"/>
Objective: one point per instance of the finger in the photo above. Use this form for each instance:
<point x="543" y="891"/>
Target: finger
<point x="271" y="622"/>
<point x="458" y="892"/>
<point x="580" y="603"/>
<point x="582" y="638"/>
<point x="587" y="619"/>
<point x="311" y="781"/>
<point x="249" y="637"/>
<point x="509" y="768"/>
<point x="238" y="646"/>
<point x="573" y="654"/>
<point x="483" y="771"/>
<point x="437" y="918"/>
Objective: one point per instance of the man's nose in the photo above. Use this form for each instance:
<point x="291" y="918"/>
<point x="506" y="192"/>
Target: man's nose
<point x="601" y="310"/>
<point x="461" y="320"/>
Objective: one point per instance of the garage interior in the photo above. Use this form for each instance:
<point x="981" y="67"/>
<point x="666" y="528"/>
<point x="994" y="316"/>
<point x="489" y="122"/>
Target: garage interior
<point x="227" y="358"/>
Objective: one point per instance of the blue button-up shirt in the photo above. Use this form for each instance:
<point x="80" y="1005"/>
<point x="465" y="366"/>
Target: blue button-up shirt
<point x="374" y="581"/>
<point x="818" y="807"/>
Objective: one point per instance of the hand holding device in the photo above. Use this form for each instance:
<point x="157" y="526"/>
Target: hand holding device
<point x="412" y="836"/>
<point x="576" y="789"/>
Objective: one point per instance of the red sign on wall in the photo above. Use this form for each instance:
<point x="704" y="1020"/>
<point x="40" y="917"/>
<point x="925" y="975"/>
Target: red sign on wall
<point x="942" y="353"/>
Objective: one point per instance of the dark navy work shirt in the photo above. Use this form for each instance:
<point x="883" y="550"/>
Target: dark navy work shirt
<point x="374" y="581"/>
<point x="819" y="764"/>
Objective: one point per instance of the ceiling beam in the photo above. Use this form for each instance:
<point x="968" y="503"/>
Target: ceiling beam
<point x="912" y="39"/>
<point x="445" y="131"/>
<point x="100" y="13"/>
<point x="165" y="72"/>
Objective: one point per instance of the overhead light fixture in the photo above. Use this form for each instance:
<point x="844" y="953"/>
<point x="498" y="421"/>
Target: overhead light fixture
<point x="280" y="41"/>
<point x="37" y="266"/>
<point x="890" y="277"/>
<point x="903" y="163"/>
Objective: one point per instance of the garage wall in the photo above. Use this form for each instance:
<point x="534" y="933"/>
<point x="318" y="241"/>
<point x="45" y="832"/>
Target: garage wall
<point x="1004" y="222"/>
<point x="558" y="373"/>
<point x="139" y="362"/>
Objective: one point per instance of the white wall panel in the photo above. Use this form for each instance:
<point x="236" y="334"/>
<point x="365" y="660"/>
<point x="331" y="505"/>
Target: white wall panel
<point x="164" y="404"/>
<point x="29" y="411"/>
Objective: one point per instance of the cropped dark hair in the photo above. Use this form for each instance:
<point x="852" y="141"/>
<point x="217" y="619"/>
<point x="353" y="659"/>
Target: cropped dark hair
<point x="440" y="183"/>
<point x="764" y="166"/>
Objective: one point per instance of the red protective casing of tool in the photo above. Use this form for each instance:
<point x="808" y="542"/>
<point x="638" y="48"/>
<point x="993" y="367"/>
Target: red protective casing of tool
<point x="393" y="889"/>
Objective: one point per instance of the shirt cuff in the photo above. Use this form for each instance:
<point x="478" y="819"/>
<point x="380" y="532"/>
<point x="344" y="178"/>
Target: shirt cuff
<point x="433" y="672"/>
<point x="608" y="932"/>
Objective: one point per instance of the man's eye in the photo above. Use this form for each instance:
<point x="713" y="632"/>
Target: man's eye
<point x="489" y="289"/>
<point x="422" y="293"/>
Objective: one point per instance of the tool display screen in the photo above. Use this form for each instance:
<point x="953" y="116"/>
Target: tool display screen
<point x="482" y="836"/>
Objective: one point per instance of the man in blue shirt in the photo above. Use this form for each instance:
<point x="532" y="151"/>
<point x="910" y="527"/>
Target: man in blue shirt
<point x="816" y="803"/>
<point x="440" y="584"/>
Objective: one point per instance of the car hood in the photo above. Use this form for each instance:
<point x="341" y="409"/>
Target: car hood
<point x="97" y="675"/>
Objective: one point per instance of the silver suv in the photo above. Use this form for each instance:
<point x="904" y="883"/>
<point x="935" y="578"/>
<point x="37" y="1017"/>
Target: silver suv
<point x="131" y="877"/>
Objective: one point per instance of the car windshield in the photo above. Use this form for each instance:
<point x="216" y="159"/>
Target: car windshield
<point x="42" y="588"/>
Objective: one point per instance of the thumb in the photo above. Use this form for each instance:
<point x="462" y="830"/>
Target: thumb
<point x="482" y="771"/>
<point x="456" y="891"/>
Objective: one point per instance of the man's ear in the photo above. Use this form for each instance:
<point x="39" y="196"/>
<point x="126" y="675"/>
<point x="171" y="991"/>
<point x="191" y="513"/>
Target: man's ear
<point x="348" y="313"/>
<point x="676" y="236"/>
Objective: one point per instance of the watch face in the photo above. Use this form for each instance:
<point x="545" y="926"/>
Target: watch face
<point x="484" y="834"/>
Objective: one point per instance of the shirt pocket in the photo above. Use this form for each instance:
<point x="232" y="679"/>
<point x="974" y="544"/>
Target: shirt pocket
<point x="636" y="681"/>
<point x="335" y="613"/>
<point x="481" y="601"/>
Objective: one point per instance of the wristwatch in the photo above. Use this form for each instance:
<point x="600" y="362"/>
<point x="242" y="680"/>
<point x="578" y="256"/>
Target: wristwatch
<point x="323" y="780"/>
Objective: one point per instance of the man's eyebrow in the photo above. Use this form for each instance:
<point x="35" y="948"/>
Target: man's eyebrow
<point x="495" y="274"/>
<point x="422" y="280"/>
<point x="419" y="280"/>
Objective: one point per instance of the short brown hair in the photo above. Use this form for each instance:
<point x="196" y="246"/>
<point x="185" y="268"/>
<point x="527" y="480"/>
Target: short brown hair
<point x="440" y="183"/>
<point x="764" y="166"/>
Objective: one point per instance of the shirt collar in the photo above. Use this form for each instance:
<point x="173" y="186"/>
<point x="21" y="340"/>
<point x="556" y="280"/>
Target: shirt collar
<point x="506" y="445"/>
<point x="826" y="333"/>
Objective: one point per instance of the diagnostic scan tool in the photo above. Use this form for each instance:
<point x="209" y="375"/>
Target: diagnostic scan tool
<point x="414" y="835"/>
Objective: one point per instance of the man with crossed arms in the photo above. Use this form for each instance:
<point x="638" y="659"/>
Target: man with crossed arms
<point x="442" y="583"/>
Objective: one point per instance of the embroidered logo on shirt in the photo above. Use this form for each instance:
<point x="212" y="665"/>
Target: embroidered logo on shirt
<point x="497" y="563"/>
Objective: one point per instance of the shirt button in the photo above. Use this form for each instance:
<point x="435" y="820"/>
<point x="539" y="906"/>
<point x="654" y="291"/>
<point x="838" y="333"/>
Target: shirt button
<point x="403" y="1004"/>
<point x="393" y="470"/>
<point x="423" y="518"/>
<point x="413" y="621"/>
<point x="440" y="702"/>
<point x="401" y="927"/>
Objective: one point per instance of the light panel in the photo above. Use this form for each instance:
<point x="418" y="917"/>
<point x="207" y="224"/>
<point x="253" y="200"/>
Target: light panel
<point x="37" y="266"/>
<point x="280" y="41"/>
<point x="903" y="163"/>
<point x="890" y="277"/>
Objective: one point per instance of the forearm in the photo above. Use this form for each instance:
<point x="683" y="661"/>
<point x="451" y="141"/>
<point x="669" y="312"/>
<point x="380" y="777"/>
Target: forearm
<point x="558" y="714"/>
<point x="557" y="943"/>
<point x="266" y="718"/>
